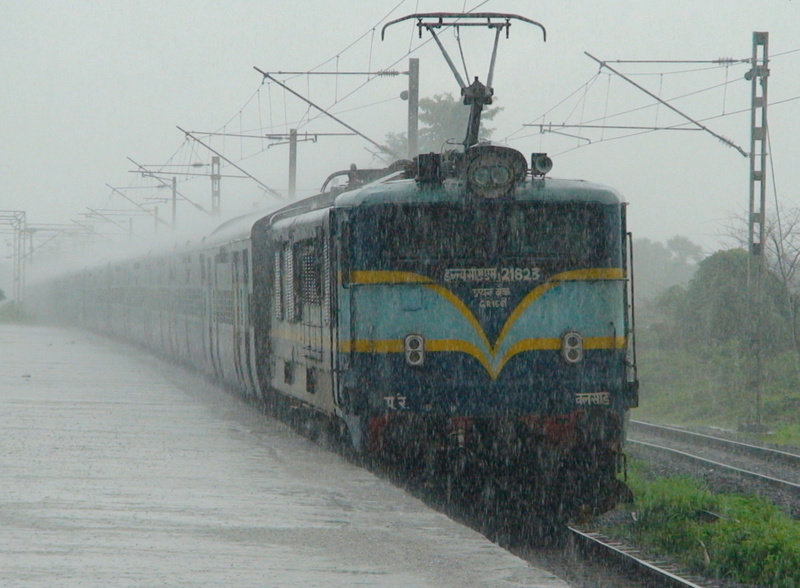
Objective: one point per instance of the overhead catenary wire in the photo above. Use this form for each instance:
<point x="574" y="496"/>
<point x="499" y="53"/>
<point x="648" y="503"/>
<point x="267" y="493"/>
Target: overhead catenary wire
<point x="650" y="130"/>
<point x="256" y="180"/>
<point x="607" y="117"/>
<point x="310" y="117"/>
<point x="516" y="136"/>
<point x="394" y="63"/>
<point x="143" y="169"/>
<point x="359" y="38"/>
<point x="637" y="108"/>
<point x="267" y="134"/>
<point x="774" y="55"/>
<point x="392" y="72"/>
<point x="725" y="140"/>
<point x="341" y="122"/>
<point x="552" y="108"/>
<point x="189" y="147"/>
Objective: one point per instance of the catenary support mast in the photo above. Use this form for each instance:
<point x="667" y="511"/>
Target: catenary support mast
<point x="758" y="76"/>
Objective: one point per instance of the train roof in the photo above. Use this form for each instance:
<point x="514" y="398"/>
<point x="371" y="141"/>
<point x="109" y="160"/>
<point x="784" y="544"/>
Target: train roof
<point x="236" y="228"/>
<point x="393" y="190"/>
<point x="543" y="190"/>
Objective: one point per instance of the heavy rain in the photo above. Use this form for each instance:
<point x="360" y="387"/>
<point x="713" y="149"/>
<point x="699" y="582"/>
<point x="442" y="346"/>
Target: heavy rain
<point x="405" y="296"/>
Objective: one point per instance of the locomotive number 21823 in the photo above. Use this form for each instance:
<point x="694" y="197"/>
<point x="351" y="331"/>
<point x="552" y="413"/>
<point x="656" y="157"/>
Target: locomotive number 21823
<point x="519" y="274"/>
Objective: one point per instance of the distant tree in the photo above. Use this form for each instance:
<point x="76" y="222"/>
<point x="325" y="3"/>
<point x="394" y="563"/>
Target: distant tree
<point x="701" y="348"/>
<point x="665" y="316"/>
<point x="2" y="295"/>
<point x="716" y="299"/>
<point x="657" y="267"/>
<point x="782" y="257"/>
<point x="443" y="119"/>
<point x="683" y="250"/>
<point x="718" y="303"/>
<point x="782" y="251"/>
<point x="715" y="307"/>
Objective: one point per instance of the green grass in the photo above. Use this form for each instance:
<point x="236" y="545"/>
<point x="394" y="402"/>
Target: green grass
<point x="743" y="538"/>
<point x="785" y="434"/>
<point x="709" y="386"/>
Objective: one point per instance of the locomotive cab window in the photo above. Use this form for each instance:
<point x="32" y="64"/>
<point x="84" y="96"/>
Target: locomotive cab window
<point x="581" y="233"/>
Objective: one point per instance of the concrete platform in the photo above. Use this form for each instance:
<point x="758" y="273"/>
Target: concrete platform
<point x="122" y="470"/>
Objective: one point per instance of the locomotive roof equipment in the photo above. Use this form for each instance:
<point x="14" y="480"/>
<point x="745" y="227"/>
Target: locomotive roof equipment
<point x="476" y="95"/>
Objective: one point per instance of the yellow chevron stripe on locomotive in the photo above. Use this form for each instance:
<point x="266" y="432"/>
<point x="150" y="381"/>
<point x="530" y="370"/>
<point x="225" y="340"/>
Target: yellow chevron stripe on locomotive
<point x="488" y="354"/>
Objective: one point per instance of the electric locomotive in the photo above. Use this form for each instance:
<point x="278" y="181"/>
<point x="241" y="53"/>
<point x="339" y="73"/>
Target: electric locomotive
<point x="483" y="325"/>
<point x="461" y="316"/>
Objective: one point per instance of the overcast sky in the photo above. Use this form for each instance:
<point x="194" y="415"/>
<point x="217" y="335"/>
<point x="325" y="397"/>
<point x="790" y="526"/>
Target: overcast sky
<point x="88" y="84"/>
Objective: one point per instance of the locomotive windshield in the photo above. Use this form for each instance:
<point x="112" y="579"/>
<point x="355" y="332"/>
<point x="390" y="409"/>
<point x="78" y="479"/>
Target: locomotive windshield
<point x="581" y="234"/>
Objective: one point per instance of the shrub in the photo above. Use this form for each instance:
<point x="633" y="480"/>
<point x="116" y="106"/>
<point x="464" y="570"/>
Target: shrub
<point x="747" y="539"/>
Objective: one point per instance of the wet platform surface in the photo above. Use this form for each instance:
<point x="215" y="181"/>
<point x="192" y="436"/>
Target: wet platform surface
<point x="119" y="469"/>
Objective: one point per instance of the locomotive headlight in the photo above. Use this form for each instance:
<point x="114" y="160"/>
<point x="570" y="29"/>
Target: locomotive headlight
<point x="572" y="347"/>
<point x="492" y="171"/>
<point x="482" y="176"/>
<point x="415" y="350"/>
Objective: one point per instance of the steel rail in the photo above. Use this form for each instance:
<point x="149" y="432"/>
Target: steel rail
<point x="774" y="482"/>
<point x="650" y="572"/>
<point x="758" y="451"/>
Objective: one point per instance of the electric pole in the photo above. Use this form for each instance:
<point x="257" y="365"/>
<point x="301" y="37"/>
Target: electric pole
<point x="16" y="219"/>
<point x="292" y="163"/>
<point x="413" y="107"/>
<point x="215" y="181"/>
<point x="174" y="200"/>
<point x="758" y="76"/>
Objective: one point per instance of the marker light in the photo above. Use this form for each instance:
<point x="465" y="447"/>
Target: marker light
<point x="572" y="347"/>
<point x="415" y="350"/>
<point x="540" y="164"/>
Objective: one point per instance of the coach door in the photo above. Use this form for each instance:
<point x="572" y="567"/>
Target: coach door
<point x="241" y="323"/>
<point x="213" y="316"/>
<point x="238" y="327"/>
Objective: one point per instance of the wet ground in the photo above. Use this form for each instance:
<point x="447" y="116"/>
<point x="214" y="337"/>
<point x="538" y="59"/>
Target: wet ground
<point x="118" y="469"/>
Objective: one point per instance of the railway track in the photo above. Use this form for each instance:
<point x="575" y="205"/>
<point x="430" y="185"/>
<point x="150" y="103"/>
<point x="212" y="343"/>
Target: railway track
<point x="582" y="557"/>
<point x="588" y="559"/>
<point x="764" y="470"/>
<point x="768" y="453"/>
<point x="767" y="467"/>
<point x="639" y="570"/>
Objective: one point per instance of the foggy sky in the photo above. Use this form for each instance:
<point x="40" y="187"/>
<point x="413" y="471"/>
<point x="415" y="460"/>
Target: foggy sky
<point x="86" y="84"/>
